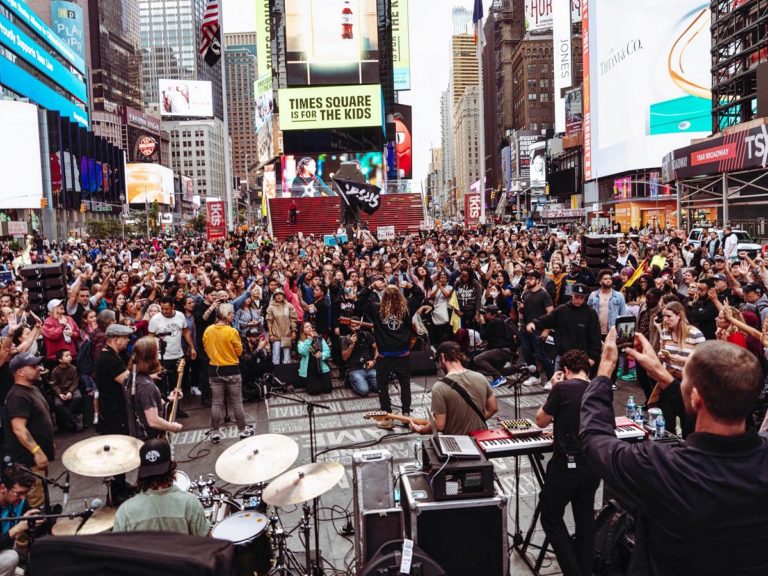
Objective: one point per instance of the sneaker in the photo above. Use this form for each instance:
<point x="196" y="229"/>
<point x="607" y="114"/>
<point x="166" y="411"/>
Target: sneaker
<point x="247" y="432"/>
<point x="215" y="436"/>
<point x="548" y="385"/>
<point x="627" y="376"/>
<point x="386" y="424"/>
<point x="532" y="380"/>
<point x="498" y="381"/>
<point x="195" y="391"/>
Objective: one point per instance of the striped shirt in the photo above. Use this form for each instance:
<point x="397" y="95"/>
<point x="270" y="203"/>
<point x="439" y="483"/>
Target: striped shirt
<point x="695" y="337"/>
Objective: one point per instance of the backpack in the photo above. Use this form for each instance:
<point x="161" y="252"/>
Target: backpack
<point x="84" y="361"/>
<point x="613" y="524"/>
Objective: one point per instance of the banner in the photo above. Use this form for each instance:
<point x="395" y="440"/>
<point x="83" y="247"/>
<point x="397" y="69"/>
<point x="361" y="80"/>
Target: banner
<point x="563" y="52"/>
<point x="359" y="195"/>
<point x="472" y="209"/>
<point x="263" y="47"/>
<point x="574" y="115"/>
<point x="67" y="21"/>
<point x="216" y="225"/>
<point x="331" y="107"/>
<point x="401" y="46"/>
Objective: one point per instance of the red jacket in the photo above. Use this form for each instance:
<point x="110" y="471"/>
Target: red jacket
<point x="53" y="337"/>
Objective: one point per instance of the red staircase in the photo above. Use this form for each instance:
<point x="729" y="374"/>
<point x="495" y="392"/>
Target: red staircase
<point x="320" y="216"/>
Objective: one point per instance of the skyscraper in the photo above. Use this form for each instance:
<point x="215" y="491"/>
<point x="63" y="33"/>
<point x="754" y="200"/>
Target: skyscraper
<point x="241" y="70"/>
<point x="462" y="20"/>
<point x="464" y="71"/>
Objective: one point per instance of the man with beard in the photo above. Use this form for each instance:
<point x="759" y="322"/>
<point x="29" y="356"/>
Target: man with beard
<point x="700" y="505"/>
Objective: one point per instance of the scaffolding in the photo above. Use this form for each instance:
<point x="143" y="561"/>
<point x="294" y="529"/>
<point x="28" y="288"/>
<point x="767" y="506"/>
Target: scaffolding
<point x="739" y="45"/>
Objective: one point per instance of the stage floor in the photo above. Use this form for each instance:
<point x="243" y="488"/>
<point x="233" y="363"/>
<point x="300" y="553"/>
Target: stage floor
<point x="338" y="428"/>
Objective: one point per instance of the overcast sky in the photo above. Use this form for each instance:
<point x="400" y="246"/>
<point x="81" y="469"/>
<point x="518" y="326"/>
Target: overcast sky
<point x="431" y="29"/>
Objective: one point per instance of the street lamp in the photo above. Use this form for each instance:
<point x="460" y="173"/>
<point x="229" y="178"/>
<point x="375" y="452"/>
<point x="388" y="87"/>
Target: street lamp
<point x="247" y="194"/>
<point x="122" y="214"/>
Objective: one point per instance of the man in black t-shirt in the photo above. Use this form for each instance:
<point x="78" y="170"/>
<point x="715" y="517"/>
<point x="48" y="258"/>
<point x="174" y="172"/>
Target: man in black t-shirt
<point x="535" y="302"/>
<point x="358" y="351"/>
<point x="110" y="372"/>
<point x="569" y="477"/>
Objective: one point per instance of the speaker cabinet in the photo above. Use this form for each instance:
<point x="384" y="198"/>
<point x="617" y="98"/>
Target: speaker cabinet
<point x="463" y="536"/>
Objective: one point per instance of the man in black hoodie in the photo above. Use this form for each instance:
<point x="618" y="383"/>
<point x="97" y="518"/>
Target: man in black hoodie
<point x="576" y="326"/>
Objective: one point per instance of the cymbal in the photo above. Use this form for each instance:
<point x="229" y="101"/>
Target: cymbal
<point x="303" y="483"/>
<point x="102" y="456"/>
<point x="257" y="459"/>
<point x="101" y="521"/>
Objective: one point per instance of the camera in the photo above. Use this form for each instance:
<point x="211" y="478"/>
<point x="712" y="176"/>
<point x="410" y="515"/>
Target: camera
<point x="659" y="318"/>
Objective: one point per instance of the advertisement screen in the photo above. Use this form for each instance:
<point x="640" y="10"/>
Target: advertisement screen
<point x="403" y="140"/>
<point x="331" y="42"/>
<point x="185" y="98"/>
<point x="67" y="21"/>
<point x="20" y="156"/>
<point x="308" y="176"/>
<point x="538" y="169"/>
<point x="574" y="115"/>
<point x="649" y="81"/>
<point x="401" y="46"/>
<point x="147" y="183"/>
<point x="336" y="107"/>
<point x="539" y="13"/>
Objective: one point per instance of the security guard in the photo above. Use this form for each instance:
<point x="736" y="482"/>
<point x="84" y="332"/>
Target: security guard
<point x="569" y="477"/>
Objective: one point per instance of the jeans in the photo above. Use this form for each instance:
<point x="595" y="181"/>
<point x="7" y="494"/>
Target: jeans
<point x="533" y="348"/>
<point x="68" y="410"/>
<point x="363" y="381"/>
<point x="578" y="487"/>
<point x="277" y="348"/>
<point x="231" y="388"/>
<point x="401" y="367"/>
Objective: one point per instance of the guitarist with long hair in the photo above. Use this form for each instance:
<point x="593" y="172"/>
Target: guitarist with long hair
<point x="392" y="331"/>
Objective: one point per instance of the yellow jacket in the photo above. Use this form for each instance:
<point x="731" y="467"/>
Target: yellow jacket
<point x="222" y="345"/>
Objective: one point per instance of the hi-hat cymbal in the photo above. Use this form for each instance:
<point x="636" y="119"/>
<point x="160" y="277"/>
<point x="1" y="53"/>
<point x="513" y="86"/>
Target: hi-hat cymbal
<point x="102" y="456"/>
<point x="257" y="459"/>
<point x="101" y="521"/>
<point x="303" y="483"/>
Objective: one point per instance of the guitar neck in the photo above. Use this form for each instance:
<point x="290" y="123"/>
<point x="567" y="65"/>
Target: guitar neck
<point x="401" y="418"/>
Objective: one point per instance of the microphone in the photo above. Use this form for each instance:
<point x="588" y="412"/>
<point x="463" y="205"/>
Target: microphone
<point x="66" y="492"/>
<point x="96" y="503"/>
<point x="523" y="368"/>
<point x="7" y="461"/>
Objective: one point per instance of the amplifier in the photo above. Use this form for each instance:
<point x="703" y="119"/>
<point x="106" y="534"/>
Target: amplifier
<point x="464" y="536"/>
<point x="458" y="479"/>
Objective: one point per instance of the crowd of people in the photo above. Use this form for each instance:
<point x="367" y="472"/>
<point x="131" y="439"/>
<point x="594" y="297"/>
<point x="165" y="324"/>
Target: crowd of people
<point x="143" y="315"/>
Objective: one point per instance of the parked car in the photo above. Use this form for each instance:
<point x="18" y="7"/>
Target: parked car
<point x="746" y="243"/>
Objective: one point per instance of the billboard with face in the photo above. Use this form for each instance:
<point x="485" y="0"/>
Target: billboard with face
<point x="186" y="98"/>
<point x="308" y="176"/>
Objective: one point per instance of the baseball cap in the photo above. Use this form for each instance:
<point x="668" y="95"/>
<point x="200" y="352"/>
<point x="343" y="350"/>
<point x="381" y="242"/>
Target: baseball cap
<point x="580" y="289"/>
<point x="492" y="308"/>
<point x="155" y="457"/>
<point x="752" y="287"/>
<point x="719" y="257"/>
<point x="278" y="291"/>
<point x="118" y="330"/>
<point x="253" y="332"/>
<point x="54" y="303"/>
<point x="376" y="277"/>
<point x="722" y="277"/>
<point x="23" y="359"/>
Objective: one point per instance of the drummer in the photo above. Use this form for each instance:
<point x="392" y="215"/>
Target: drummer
<point x="16" y="484"/>
<point x="160" y="505"/>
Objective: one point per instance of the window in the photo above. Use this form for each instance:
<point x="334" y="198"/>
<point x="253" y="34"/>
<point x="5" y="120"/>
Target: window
<point x="532" y="96"/>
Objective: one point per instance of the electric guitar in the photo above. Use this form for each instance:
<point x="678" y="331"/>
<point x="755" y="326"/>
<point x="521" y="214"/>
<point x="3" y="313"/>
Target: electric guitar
<point x="175" y="404"/>
<point x="379" y="415"/>
<point x="351" y="321"/>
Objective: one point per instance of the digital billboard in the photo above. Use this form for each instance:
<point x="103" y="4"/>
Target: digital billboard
<point x="401" y="45"/>
<point x="330" y="42"/>
<point x="310" y="175"/>
<point x="68" y="23"/>
<point x="647" y="72"/>
<point x="147" y="183"/>
<point x="403" y="140"/>
<point x="330" y="107"/>
<point x="185" y="98"/>
<point x="574" y="113"/>
<point x="20" y="156"/>
<point x="538" y="165"/>
<point x="539" y="13"/>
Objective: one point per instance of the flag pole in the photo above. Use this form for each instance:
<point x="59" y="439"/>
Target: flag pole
<point x="227" y="152"/>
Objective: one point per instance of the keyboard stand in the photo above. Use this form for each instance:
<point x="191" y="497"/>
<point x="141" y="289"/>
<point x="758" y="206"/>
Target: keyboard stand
<point x="521" y="547"/>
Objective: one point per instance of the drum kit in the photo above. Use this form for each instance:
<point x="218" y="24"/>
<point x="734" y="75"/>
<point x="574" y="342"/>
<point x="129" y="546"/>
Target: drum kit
<point x="260" y="464"/>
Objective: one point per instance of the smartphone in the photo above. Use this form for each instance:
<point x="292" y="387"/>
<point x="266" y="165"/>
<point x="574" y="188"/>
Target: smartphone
<point x="625" y="329"/>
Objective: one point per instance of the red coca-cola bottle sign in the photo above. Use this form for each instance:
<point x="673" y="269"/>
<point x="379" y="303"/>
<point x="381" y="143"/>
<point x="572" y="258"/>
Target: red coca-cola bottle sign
<point x="346" y="22"/>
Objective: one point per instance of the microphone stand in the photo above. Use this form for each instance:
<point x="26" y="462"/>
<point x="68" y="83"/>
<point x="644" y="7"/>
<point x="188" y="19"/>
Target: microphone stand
<point x="46" y="482"/>
<point x="318" y="569"/>
<point x="34" y="519"/>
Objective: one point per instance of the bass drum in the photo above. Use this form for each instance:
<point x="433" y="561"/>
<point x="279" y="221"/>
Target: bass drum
<point x="248" y="531"/>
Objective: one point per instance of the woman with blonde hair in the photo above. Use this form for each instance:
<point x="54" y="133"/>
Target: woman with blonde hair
<point x="392" y="330"/>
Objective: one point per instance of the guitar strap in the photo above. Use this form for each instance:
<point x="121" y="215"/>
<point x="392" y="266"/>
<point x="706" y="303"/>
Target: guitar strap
<point x="459" y="389"/>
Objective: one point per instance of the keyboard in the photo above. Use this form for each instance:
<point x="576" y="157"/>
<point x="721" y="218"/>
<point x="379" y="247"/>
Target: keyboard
<point x="630" y="433"/>
<point x="521" y="446"/>
<point x="450" y="444"/>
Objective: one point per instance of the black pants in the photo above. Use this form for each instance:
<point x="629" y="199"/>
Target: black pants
<point x="401" y="367"/>
<point x="645" y="382"/>
<point x="490" y="362"/>
<point x="577" y="487"/>
<point x="168" y="383"/>
<point x="200" y="375"/>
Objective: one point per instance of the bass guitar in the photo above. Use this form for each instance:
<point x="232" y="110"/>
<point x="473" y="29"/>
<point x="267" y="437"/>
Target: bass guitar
<point x="380" y="415"/>
<point x="177" y="393"/>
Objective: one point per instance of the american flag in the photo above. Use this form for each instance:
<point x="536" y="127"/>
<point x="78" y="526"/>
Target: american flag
<point x="210" y="26"/>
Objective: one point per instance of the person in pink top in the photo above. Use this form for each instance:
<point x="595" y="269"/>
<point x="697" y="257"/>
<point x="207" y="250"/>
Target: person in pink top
<point x="60" y="332"/>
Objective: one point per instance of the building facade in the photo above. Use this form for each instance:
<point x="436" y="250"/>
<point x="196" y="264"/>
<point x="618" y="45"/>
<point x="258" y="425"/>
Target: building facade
<point x="466" y="141"/>
<point x="242" y="73"/>
<point x="533" y="84"/>
<point x="197" y="151"/>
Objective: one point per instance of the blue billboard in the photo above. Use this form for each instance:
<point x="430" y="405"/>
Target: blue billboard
<point x="23" y="13"/>
<point x="67" y="21"/>
<point x="24" y="47"/>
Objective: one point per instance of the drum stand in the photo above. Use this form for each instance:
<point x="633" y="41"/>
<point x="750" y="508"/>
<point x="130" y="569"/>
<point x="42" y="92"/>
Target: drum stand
<point x="283" y="555"/>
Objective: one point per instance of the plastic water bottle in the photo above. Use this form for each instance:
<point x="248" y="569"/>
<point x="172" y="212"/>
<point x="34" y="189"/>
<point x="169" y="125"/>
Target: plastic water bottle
<point x="631" y="407"/>
<point x="639" y="416"/>
<point x="661" y="426"/>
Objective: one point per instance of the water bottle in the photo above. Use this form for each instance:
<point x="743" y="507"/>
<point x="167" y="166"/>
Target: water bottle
<point x="417" y="448"/>
<point x="639" y="416"/>
<point x="631" y="407"/>
<point x="660" y="426"/>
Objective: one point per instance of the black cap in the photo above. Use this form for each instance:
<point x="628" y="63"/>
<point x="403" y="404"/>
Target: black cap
<point x="580" y="289"/>
<point x="155" y="457"/>
<point x="23" y="359"/>
<point x="719" y="257"/>
<point x="752" y="287"/>
<point x="492" y="308"/>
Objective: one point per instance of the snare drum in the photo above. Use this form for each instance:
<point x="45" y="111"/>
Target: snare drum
<point x="182" y="481"/>
<point x="220" y="507"/>
<point x="248" y="532"/>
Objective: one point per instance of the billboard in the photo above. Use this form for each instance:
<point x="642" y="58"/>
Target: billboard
<point x="185" y="98"/>
<point x="330" y="107"/>
<point x="308" y="176"/>
<point x="20" y="156"/>
<point x="538" y="168"/>
<point x="646" y="69"/>
<point x="67" y="21"/>
<point x="263" y="47"/>
<point x="401" y="45"/>
<point x="472" y="209"/>
<point x="563" y="52"/>
<point x="403" y="140"/>
<point x="216" y="221"/>
<point x="539" y="13"/>
<point x="187" y="188"/>
<point x="147" y="183"/>
<point x="574" y="114"/>
<point x="330" y="42"/>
